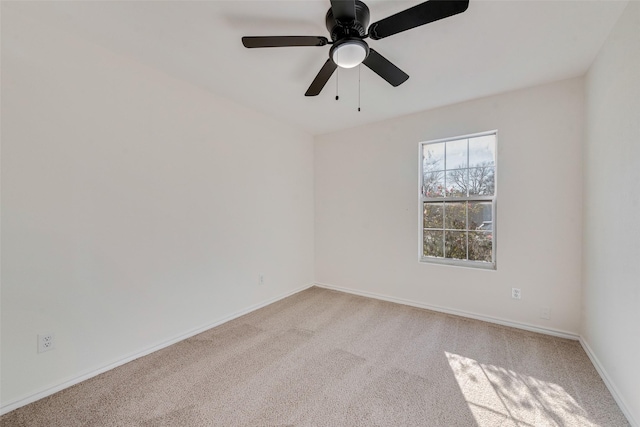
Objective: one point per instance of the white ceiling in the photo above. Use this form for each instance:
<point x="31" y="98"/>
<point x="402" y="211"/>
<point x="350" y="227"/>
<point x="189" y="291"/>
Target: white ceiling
<point x="493" y="47"/>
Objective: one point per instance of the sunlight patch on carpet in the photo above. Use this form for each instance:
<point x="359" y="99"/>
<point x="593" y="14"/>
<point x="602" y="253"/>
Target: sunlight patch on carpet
<point x="499" y="396"/>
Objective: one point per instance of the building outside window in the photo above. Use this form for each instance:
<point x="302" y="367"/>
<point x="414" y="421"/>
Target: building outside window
<point x="458" y="200"/>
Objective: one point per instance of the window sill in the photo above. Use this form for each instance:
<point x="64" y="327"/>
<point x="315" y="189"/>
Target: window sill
<point x="459" y="263"/>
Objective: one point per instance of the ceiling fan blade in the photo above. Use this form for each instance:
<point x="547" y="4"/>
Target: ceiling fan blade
<point x="322" y="78"/>
<point x="385" y="69"/>
<point x="344" y="10"/>
<point x="416" y="16"/>
<point x="284" y="41"/>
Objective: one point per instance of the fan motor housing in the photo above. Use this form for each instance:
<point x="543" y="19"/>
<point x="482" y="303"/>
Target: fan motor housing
<point x="355" y="28"/>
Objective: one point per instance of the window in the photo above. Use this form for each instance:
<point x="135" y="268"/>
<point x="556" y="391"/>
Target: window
<point x="458" y="200"/>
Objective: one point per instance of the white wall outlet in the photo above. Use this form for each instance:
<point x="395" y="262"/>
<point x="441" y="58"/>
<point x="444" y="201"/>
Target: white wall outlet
<point x="516" y="293"/>
<point x="545" y="313"/>
<point x="46" y="342"/>
<point x="261" y="279"/>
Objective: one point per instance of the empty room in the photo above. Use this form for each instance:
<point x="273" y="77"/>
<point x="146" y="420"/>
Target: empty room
<point x="320" y="213"/>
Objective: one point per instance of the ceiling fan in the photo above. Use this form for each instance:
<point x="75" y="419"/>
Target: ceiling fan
<point x="347" y="22"/>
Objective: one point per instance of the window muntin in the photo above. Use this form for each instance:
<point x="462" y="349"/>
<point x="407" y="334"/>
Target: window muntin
<point x="457" y="195"/>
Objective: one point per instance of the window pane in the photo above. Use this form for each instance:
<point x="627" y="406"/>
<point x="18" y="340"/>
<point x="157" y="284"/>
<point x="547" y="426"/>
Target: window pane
<point x="457" y="154"/>
<point x="455" y="215"/>
<point x="433" y="184"/>
<point x="432" y="215"/>
<point x="433" y="157"/>
<point x="480" y="217"/>
<point x="432" y="245"/>
<point x="482" y="151"/>
<point x="480" y="246"/>
<point x="482" y="181"/>
<point x="457" y="183"/>
<point x="455" y="245"/>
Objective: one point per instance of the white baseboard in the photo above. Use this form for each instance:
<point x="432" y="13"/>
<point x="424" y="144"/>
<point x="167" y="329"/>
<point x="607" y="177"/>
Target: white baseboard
<point x="504" y="322"/>
<point x="610" y="384"/>
<point x="17" y="403"/>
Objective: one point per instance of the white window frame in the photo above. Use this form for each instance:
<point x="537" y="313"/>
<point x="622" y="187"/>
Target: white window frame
<point x="493" y="199"/>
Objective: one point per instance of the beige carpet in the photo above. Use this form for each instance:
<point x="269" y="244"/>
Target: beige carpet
<point x="325" y="358"/>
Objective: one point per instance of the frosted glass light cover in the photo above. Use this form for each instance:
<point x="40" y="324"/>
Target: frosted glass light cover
<point x="348" y="55"/>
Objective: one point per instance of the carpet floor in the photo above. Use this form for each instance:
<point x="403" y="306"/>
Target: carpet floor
<point x="326" y="358"/>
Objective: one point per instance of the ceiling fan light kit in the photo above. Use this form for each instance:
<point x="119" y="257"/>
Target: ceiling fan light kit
<point x="347" y="22"/>
<point x="349" y="53"/>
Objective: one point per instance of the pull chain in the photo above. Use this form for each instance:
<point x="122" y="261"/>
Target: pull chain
<point x="359" y="66"/>
<point x="337" y="74"/>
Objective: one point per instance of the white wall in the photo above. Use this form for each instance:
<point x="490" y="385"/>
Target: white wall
<point x="135" y="207"/>
<point x="611" y="272"/>
<point x="367" y="208"/>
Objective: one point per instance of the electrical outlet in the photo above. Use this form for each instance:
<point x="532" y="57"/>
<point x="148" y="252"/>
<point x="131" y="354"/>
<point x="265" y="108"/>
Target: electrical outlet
<point x="261" y="279"/>
<point x="516" y="293"/>
<point x="545" y="313"/>
<point x="46" y="342"/>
